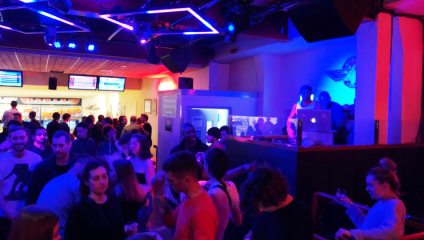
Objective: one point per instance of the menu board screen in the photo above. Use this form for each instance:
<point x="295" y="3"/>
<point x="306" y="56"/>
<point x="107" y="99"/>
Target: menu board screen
<point x="10" y="78"/>
<point x="82" y="82"/>
<point x="111" y="84"/>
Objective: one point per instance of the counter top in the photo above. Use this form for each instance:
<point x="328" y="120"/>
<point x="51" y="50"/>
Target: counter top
<point x="324" y="148"/>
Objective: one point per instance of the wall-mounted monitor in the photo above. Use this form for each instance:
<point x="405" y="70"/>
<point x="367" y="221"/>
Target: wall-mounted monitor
<point x="81" y="82"/>
<point x="10" y="78"/>
<point x="111" y="84"/>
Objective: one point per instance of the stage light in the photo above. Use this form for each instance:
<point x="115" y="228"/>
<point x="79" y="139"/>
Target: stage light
<point x="237" y="20"/>
<point x="91" y="47"/>
<point x="58" y="44"/>
<point x="72" y="45"/>
<point x="231" y="28"/>
<point x="142" y="30"/>
<point x="312" y="97"/>
<point x="50" y="35"/>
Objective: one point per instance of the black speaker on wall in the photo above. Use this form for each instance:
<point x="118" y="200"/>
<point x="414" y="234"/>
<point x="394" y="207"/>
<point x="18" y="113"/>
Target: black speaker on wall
<point x="318" y="20"/>
<point x="185" y="83"/>
<point x="178" y="60"/>
<point x="52" y="83"/>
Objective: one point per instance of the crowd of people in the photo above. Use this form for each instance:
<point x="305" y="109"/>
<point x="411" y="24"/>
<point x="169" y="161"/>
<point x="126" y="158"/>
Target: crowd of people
<point x="100" y="182"/>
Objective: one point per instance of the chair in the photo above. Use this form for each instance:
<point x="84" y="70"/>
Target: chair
<point x="419" y="227"/>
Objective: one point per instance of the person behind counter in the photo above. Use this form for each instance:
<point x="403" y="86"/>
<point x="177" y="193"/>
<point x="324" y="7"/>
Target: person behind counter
<point x="306" y="102"/>
<point x="8" y="115"/>
<point x="338" y="116"/>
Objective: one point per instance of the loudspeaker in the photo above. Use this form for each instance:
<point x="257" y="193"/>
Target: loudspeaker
<point x="185" y="83"/>
<point x="318" y="20"/>
<point x="52" y="83"/>
<point x="178" y="60"/>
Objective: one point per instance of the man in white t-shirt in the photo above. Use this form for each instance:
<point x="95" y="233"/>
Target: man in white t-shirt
<point x="16" y="167"/>
<point x="8" y="115"/>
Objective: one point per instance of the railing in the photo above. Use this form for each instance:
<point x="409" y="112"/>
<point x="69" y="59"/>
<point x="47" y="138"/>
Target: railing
<point x="408" y="223"/>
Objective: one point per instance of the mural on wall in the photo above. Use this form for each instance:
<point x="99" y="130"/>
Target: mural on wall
<point x="347" y="74"/>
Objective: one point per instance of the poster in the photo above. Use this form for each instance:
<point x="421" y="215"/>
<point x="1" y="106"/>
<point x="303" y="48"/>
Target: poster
<point x="169" y="106"/>
<point x="47" y="112"/>
<point x="197" y="122"/>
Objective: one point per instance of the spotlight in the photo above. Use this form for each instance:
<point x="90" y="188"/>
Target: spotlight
<point x="142" y="30"/>
<point x="91" y="47"/>
<point x="231" y="28"/>
<point x="72" y="45"/>
<point x="58" y="44"/>
<point x="50" y="35"/>
<point x="237" y="19"/>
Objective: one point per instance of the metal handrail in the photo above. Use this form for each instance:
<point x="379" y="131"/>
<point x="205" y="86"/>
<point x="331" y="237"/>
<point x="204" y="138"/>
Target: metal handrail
<point x="408" y="223"/>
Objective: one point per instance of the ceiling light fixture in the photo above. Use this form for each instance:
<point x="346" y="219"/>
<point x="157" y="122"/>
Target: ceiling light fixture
<point x="159" y="11"/>
<point x="107" y="17"/>
<point x="56" y="18"/>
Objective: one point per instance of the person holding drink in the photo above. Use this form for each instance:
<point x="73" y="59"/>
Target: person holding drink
<point x="386" y="219"/>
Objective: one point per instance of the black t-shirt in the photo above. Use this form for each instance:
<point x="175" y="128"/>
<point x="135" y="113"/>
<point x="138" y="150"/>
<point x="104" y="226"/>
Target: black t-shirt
<point x="47" y="152"/>
<point x="293" y="221"/>
<point x="148" y="128"/>
<point x="52" y="127"/>
<point x="88" y="220"/>
<point x="62" y="169"/>
<point x="65" y="127"/>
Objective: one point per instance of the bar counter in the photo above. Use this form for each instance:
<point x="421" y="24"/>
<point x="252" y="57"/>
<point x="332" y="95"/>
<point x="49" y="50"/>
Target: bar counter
<point x="326" y="168"/>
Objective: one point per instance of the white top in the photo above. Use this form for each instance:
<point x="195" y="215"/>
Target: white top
<point x="312" y="105"/>
<point x="222" y="205"/>
<point x="15" y="176"/>
<point x="385" y="220"/>
<point x="8" y="115"/>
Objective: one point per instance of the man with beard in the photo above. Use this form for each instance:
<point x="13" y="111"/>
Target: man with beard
<point x="41" y="145"/>
<point x="15" y="168"/>
<point x="190" y="142"/>
<point x="83" y="144"/>
<point x="61" y="193"/>
<point x="54" y="166"/>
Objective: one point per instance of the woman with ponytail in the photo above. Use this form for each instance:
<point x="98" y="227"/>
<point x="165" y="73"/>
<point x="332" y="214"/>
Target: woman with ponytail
<point x="224" y="194"/>
<point x="386" y="219"/>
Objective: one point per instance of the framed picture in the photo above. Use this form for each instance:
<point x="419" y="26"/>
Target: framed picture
<point x="154" y="106"/>
<point x="147" y="105"/>
<point x="168" y="125"/>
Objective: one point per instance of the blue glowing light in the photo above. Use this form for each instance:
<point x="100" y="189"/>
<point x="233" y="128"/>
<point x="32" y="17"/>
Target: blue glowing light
<point x="57" y="44"/>
<point x="91" y="47"/>
<point x="231" y="28"/>
<point x="72" y="45"/>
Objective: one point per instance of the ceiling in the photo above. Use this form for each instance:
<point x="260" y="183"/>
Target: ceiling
<point x="44" y="62"/>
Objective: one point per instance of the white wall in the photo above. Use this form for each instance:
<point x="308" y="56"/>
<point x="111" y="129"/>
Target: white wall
<point x="277" y="79"/>
<point x="99" y="101"/>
